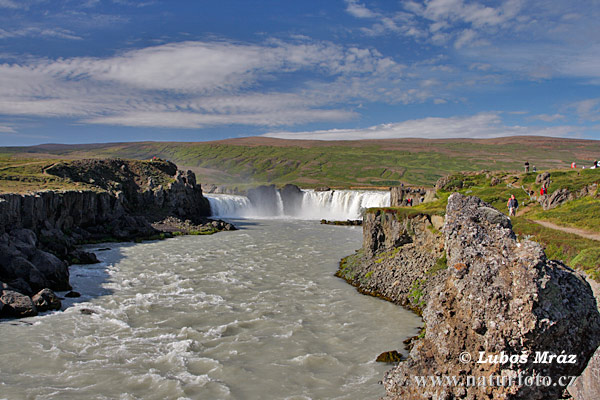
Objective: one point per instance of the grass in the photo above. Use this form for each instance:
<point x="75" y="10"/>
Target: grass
<point x="335" y="164"/>
<point x="22" y="175"/>
<point x="572" y="249"/>
<point x="580" y="213"/>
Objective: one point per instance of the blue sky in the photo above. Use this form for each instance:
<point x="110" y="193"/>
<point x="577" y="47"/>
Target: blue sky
<point x="122" y="70"/>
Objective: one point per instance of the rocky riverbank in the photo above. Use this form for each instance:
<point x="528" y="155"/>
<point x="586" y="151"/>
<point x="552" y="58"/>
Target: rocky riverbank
<point x="130" y="201"/>
<point x="481" y="292"/>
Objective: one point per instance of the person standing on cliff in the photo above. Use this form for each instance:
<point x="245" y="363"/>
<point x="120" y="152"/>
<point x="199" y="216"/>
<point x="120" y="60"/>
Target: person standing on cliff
<point x="526" y="167"/>
<point x="512" y="204"/>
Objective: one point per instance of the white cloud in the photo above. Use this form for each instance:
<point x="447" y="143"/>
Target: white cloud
<point x="547" y="117"/>
<point x="7" y="129"/>
<point x="10" y="4"/>
<point x="588" y="109"/>
<point x="484" y="125"/>
<point x="359" y="10"/>
<point x="198" y="84"/>
<point x="39" y="32"/>
<point x="465" y="37"/>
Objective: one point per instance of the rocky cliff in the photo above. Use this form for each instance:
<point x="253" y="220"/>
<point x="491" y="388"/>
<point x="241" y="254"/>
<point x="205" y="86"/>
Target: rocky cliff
<point x="497" y="313"/>
<point x="39" y="231"/>
<point x="402" y="250"/>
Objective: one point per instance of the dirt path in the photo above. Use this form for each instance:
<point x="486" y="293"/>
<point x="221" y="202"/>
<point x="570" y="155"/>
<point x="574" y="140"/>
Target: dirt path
<point x="576" y="231"/>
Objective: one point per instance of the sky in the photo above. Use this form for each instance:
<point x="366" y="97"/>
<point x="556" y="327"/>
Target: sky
<point x="93" y="71"/>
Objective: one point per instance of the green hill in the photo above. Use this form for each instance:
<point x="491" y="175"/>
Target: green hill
<point x="366" y="163"/>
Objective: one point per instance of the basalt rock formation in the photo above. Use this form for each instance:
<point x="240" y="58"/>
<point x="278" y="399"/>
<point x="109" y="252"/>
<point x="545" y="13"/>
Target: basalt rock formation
<point x="39" y="231"/>
<point x="417" y="195"/>
<point x="483" y="292"/>
<point x="400" y="252"/>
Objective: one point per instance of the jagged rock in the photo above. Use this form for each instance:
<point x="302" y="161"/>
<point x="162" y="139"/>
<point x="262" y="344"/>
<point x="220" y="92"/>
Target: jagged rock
<point x="587" y="385"/>
<point x="14" y="304"/>
<point x="399" y="195"/>
<point x="394" y="269"/>
<point x="291" y="197"/>
<point x="494" y="181"/>
<point x="498" y="296"/>
<point x="46" y="300"/>
<point x="557" y="198"/>
<point x="384" y="231"/>
<point x="73" y="294"/>
<point x="542" y="178"/>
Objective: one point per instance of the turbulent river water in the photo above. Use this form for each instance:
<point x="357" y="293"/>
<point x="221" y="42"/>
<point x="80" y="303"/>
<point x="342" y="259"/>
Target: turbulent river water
<point x="250" y="314"/>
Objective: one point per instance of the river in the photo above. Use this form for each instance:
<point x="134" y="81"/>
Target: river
<point x="250" y="314"/>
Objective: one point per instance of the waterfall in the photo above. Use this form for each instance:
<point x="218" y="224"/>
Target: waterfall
<point x="331" y="205"/>
<point x="228" y="205"/>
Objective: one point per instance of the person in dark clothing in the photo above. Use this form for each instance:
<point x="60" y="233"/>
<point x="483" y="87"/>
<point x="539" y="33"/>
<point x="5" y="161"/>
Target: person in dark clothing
<point x="512" y="204"/>
<point x="526" y="166"/>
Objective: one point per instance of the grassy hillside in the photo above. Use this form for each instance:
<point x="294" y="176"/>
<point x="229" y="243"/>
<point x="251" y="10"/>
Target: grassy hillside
<point x="368" y="163"/>
<point x="581" y="213"/>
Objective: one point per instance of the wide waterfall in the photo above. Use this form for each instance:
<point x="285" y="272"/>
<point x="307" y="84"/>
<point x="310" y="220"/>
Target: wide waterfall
<point x="331" y="205"/>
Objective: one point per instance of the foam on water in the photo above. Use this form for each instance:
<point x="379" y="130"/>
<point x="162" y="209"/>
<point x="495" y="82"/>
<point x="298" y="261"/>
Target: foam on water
<point x="250" y="314"/>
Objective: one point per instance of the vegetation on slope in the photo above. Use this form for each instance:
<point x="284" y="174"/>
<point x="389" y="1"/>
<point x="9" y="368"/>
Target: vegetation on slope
<point x="370" y="163"/>
<point x="584" y="212"/>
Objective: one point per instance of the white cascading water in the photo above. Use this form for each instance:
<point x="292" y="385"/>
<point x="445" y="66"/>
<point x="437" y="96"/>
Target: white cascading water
<point x="331" y="205"/>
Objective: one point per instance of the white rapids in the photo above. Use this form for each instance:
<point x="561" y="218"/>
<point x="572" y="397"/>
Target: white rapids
<point x="250" y="314"/>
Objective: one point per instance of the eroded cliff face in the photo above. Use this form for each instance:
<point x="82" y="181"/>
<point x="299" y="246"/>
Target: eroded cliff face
<point x="39" y="231"/>
<point x="400" y="255"/>
<point x="493" y="296"/>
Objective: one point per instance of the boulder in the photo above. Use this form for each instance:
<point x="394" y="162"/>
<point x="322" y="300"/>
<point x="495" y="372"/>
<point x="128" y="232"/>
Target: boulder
<point x="53" y="269"/>
<point x="21" y="268"/>
<point x="18" y="285"/>
<point x="498" y="297"/>
<point x="26" y="236"/>
<point x="46" y="300"/>
<point x="14" y="304"/>
<point x="79" y="256"/>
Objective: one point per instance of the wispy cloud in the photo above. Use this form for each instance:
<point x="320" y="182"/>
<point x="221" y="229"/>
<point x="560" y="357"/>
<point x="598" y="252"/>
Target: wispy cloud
<point x="39" y="32"/>
<point x="547" y="117"/>
<point x="10" y="4"/>
<point x="7" y="129"/>
<point x="198" y="84"/>
<point x="587" y="110"/>
<point x="540" y="39"/>
<point x="484" y="125"/>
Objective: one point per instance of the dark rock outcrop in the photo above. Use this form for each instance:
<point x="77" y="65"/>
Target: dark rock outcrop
<point x="400" y="255"/>
<point x="39" y="232"/>
<point x="291" y="197"/>
<point x="417" y="195"/>
<point x="555" y="199"/>
<point x="498" y="296"/>
<point x="264" y="199"/>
